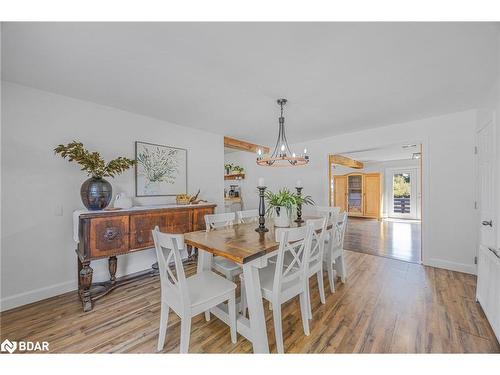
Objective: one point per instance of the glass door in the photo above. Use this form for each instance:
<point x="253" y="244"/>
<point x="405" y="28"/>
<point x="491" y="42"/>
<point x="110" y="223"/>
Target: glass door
<point x="355" y="194"/>
<point x="403" y="202"/>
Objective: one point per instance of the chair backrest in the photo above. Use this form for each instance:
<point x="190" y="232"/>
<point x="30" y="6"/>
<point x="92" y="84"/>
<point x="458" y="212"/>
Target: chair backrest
<point x="330" y="212"/>
<point x="168" y="248"/>
<point x="318" y="239"/>
<point x="248" y="216"/>
<point x="219" y="220"/>
<point x="339" y="233"/>
<point x="297" y="242"/>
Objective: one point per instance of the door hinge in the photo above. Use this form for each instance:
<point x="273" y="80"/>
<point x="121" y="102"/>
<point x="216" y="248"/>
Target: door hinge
<point x="475" y="150"/>
<point x="475" y="260"/>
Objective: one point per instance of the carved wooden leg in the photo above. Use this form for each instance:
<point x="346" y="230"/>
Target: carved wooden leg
<point x="78" y="276"/>
<point x="85" y="281"/>
<point x="112" y="269"/>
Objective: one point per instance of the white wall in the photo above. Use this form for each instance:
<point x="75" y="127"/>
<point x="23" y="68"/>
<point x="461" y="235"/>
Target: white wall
<point x="38" y="253"/>
<point x="449" y="230"/>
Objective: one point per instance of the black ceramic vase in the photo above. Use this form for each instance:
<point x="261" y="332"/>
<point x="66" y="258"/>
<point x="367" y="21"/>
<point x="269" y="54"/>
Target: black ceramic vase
<point x="96" y="193"/>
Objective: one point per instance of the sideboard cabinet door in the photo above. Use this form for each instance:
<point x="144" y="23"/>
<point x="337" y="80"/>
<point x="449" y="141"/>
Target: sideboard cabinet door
<point x="109" y="236"/>
<point x="178" y="221"/>
<point x="141" y="226"/>
<point x="199" y="217"/>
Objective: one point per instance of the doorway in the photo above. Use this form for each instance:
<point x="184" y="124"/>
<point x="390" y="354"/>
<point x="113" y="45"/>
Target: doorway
<point x="384" y="206"/>
<point x="402" y="192"/>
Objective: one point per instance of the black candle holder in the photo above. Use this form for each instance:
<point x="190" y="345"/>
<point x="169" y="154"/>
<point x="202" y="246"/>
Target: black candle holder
<point x="262" y="211"/>
<point x="299" y="207"/>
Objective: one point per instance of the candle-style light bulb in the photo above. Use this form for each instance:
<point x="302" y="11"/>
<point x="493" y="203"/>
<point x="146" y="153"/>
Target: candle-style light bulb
<point x="305" y="150"/>
<point x="259" y="153"/>
<point x="282" y="147"/>
<point x="293" y="154"/>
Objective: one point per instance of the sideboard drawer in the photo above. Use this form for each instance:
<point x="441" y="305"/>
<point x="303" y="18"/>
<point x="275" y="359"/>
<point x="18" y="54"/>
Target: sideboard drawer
<point x="109" y="235"/>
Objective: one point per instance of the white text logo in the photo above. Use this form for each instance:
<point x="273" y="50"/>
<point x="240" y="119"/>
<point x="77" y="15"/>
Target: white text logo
<point x="24" y="346"/>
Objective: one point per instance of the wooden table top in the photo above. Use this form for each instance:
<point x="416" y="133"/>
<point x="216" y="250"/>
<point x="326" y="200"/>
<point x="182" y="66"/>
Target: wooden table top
<point x="240" y="242"/>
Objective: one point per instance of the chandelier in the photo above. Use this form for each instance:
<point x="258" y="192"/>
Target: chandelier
<point x="282" y="156"/>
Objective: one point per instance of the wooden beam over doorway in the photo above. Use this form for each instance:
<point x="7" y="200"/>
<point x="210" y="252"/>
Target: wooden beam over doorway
<point x="236" y="144"/>
<point x="345" y="161"/>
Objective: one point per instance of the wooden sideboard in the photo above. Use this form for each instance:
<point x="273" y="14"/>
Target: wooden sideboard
<point x="111" y="233"/>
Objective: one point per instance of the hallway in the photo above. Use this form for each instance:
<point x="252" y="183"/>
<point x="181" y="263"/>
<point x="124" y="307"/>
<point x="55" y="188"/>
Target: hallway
<point x="398" y="239"/>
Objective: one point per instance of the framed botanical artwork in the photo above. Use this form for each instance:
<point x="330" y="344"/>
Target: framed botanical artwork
<point x="160" y="170"/>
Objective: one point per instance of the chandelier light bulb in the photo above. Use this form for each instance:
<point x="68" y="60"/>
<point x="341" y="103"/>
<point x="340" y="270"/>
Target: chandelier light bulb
<point x="282" y="147"/>
<point x="259" y="152"/>
<point x="305" y="151"/>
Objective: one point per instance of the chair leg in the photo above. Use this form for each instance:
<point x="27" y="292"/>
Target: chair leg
<point x="331" y="277"/>
<point x="321" y="287"/>
<point x="243" y="298"/>
<point x="308" y="297"/>
<point x="163" y="326"/>
<point x="231" y="306"/>
<point x="342" y="268"/>
<point x="185" y="333"/>
<point x="278" y="329"/>
<point x="304" y="311"/>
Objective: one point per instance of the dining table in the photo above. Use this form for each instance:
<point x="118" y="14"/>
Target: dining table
<point x="242" y="244"/>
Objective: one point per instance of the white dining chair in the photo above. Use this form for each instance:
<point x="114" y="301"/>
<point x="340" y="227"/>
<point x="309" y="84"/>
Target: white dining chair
<point x="315" y="259"/>
<point x="229" y="269"/>
<point x="280" y="282"/>
<point x="247" y="216"/>
<point x="226" y="267"/>
<point x="315" y="263"/>
<point x="188" y="296"/>
<point x="334" y="251"/>
<point x="330" y="213"/>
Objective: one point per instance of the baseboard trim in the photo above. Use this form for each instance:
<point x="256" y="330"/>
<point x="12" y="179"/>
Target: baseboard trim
<point x="452" y="266"/>
<point x="36" y="295"/>
<point x="17" y="300"/>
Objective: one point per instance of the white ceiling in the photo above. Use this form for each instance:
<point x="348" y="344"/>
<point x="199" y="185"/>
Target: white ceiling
<point x="225" y="77"/>
<point x="386" y="153"/>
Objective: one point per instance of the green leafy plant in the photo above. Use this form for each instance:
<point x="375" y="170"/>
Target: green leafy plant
<point x="285" y="198"/>
<point x="92" y="162"/>
<point x="228" y="167"/>
<point x="238" y="169"/>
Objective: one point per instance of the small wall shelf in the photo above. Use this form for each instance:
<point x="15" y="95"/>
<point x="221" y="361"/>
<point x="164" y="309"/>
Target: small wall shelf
<point x="237" y="176"/>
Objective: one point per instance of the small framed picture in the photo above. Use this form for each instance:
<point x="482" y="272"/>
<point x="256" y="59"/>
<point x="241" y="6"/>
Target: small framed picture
<point x="160" y="170"/>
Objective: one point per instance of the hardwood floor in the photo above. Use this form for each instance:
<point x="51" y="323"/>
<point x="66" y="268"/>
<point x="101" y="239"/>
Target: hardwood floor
<point x="386" y="306"/>
<point x="394" y="239"/>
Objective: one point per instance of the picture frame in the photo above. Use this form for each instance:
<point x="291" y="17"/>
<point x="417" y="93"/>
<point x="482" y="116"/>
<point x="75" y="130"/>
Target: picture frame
<point x="160" y="170"/>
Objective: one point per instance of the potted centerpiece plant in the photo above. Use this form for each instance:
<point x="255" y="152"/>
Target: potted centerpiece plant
<point x="96" y="192"/>
<point x="283" y="203"/>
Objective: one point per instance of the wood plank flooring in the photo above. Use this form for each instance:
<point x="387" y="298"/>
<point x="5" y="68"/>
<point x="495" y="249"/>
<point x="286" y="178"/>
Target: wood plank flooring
<point x="386" y="306"/>
<point x="394" y="239"/>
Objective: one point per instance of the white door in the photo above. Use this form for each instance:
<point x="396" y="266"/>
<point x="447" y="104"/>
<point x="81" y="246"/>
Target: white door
<point x="486" y="184"/>
<point x="402" y="193"/>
